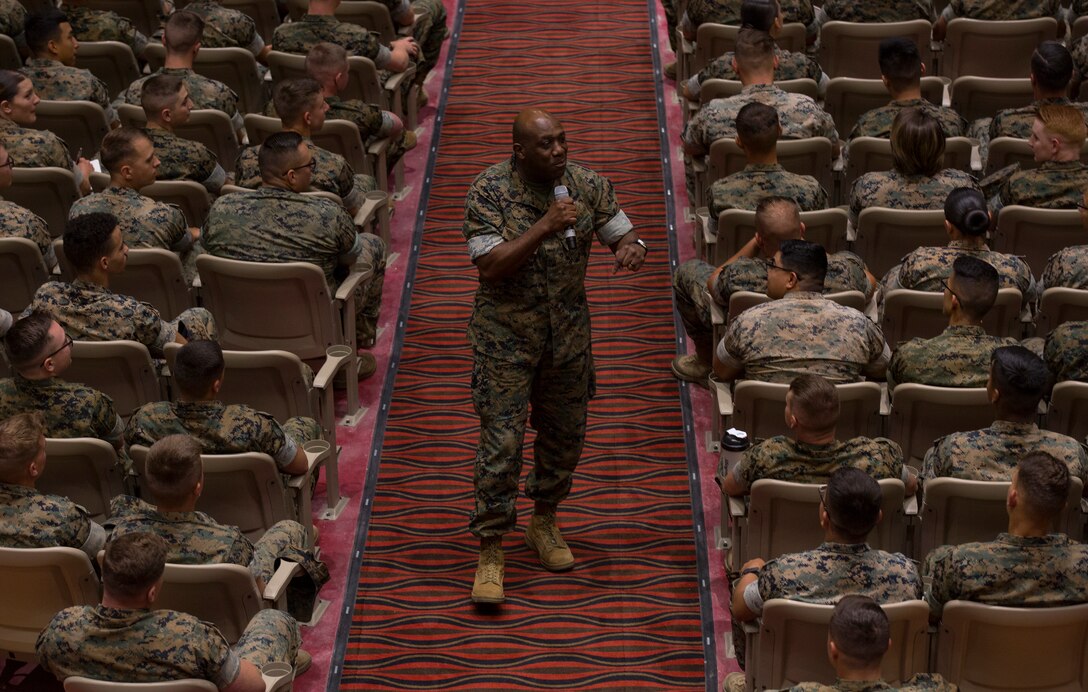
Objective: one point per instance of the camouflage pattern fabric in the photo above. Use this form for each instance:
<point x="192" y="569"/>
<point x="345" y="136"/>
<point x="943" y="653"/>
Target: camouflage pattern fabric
<point x="744" y="189"/>
<point x="894" y="190"/>
<point x="877" y="10"/>
<point x="1079" y="51"/>
<point x="1067" y="268"/>
<point x="515" y="331"/>
<point x="19" y="222"/>
<point x="57" y="82"/>
<point x="206" y="93"/>
<point x="1013" y="571"/>
<point x="90" y="312"/>
<point x="922" y="682"/>
<point x="803" y="333"/>
<point x="1066" y="352"/>
<point x="226" y="28"/>
<point x="991" y="454"/>
<point x="957" y="357"/>
<point x="429" y="29"/>
<point x="1002" y="9"/>
<point x="728" y="12"/>
<point x="333" y="174"/>
<point x="782" y="458"/>
<point x="798" y="114"/>
<point x="129" y="645"/>
<point x="372" y="121"/>
<point x="30" y="148"/>
<point x="878" y="121"/>
<point x="925" y="268"/>
<point x="791" y="65"/>
<point x="307" y="31"/>
<point x="221" y="428"/>
<point x="89" y="24"/>
<point x="12" y="20"/>
<point x="1017" y="122"/>
<point x="1053" y="185"/>
<point x="31" y="519"/>
<point x="69" y="409"/>
<point x="184" y="159"/>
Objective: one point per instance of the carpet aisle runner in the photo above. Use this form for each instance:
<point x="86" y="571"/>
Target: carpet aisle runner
<point x="628" y="616"/>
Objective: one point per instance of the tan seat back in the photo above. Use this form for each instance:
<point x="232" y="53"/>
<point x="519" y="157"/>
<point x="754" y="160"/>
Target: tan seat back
<point x="110" y="61"/>
<point x="237" y="68"/>
<point x="849" y="49"/>
<point x="724" y="88"/>
<point x="188" y="195"/>
<point x="48" y="192"/>
<point x="22" y="271"/>
<point x="85" y="470"/>
<point x="223" y="594"/>
<point x="1036" y="234"/>
<point x="921" y="413"/>
<point x="885" y="236"/>
<point x="76" y="683"/>
<point x="811" y="156"/>
<point x="1068" y="411"/>
<point x="9" y="54"/>
<point x="143" y="13"/>
<point x="342" y="137"/>
<point x="81" y="124"/>
<point x="264" y="14"/>
<point x="846" y="99"/>
<point x="286" y="65"/>
<point x="261" y="127"/>
<point x="758" y="409"/>
<point x="212" y="128"/>
<point x="990" y="48"/>
<point x="909" y="314"/>
<point x="154" y="275"/>
<point x="983" y="97"/>
<point x="714" y="40"/>
<point x="1060" y="305"/>
<point x="123" y="370"/>
<point x="372" y="16"/>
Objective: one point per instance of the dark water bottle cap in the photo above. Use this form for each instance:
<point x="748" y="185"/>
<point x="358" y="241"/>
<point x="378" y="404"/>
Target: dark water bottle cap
<point x="734" y="440"/>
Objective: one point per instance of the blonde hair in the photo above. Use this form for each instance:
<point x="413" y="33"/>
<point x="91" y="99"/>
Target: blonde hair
<point x="1065" y="122"/>
<point x="20" y="442"/>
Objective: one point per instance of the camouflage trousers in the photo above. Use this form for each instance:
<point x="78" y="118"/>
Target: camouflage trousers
<point x="368" y="297"/>
<point x="671" y="21"/>
<point x="199" y="323"/>
<point x="301" y="430"/>
<point x="502" y="394"/>
<point x="692" y="301"/>
<point x="286" y="540"/>
<point x="272" y="635"/>
<point x="429" y="31"/>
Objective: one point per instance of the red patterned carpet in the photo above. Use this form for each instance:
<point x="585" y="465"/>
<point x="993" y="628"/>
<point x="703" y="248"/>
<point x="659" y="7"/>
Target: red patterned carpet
<point x="628" y="616"/>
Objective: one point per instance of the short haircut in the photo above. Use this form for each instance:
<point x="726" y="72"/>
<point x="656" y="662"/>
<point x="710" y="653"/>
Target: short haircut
<point x="42" y="27"/>
<point x="27" y="339"/>
<point x="133" y="563"/>
<point x="1042" y="482"/>
<point x="754" y="49"/>
<point x="1066" y="122"/>
<point x="804" y="258"/>
<point x="779" y="217"/>
<point x="183" y="31"/>
<point x="173" y="468"/>
<point x="277" y="153"/>
<point x="20" y="442"/>
<point x="917" y="143"/>
<point x="757" y="126"/>
<point x="815" y="402"/>
<point x="159" y="92"/>
<point x="758" y="14"/>
<point x="900" y="62"/>
<point x="324" y="60"/>
<point x="119" y="147"/>
<point x="1020" y="376"/>
<point x="966" y="209"/>
<point x="9" y="84"/>
<point x="197" y="365"/>
<point x="976" y="285"/>
<point x="87" y="238"/>
<point x="1052" y="66"/>
<point x="853" y="503"/>
<point x="293" y="97"/>
<point x="859" y="627"/>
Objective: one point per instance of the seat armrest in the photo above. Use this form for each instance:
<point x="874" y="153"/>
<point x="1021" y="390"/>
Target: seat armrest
<point x="313" y="459"/>
<point x="331" y="366"/>
<point x="346" y="290"/>
<point x="717" y="315"/>
<point x="724" y="396"/>
<point x="276" y="588"/>
<point x="737" y="506"/>
<point x="372" y="204"/>
<point x="394" y="83"/>
<point x="910" y="505"/>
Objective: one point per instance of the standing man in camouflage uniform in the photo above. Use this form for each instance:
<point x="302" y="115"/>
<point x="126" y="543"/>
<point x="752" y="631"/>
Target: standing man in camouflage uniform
<point x="1057" y="136"/>
<point x="1028" y="566"/>
<point x="129" y="156"/>
<point x="843" y="564"/>
<point x="277" y="223"/>
<point x="90" y="24"/>
<point x="695" y="282"/>
<point x="89" y="310"/>
<point x="1018" y="381"/>
<point x="174" y="479"/>
<point x="530" y="332"/>
<point x="427" y="18"/>
<point x="811" y="452"/>
<point x="29" y="518"/>
<point x="125" y="640"/>
<point x="960" y="355"/>
<point x="51" y="66"/>
<point x="20" y="222"/>
<point x="39" y="352"/>
<point x="800" y="331"/>
<point x="166" y="103"/>
<point x="1066" y="351"/>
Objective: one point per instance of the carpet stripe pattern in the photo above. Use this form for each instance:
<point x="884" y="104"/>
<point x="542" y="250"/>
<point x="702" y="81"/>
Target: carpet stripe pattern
<point x="628" y="616"/>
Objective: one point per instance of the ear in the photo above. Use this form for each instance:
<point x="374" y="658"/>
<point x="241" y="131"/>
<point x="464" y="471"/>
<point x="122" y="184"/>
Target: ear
<point x="33" y="469"/>
<point x="791" y="421"/>
<point x="802" y="230"/>
<point x="733" y="64"/>
<point x="153" y="591"/>
<point x="776" y="61"/>
<point x="948" y="227"/>
<point x="199" y="488"/>
<point x="519" y="151"/>
<point x="739" y="143"/>
<point x="165" y="115"/>
<point x="995" y="395"/>
<point x="923" y="69"/>
<point x="832" y="651"/>
<point x="5" y="106"/>
<point x="217" y="385"/>
<point x="1013" y="497"/>
<point x="126" y="171"/>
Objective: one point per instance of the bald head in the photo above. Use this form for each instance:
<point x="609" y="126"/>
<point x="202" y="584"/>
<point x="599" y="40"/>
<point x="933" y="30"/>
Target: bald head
<point x="530" y="121"/>
<point x="540" y="146"/>
<point x="778" y="219"/>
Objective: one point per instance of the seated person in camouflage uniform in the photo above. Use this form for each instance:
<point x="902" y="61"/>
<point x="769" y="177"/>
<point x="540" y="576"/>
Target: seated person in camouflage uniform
<point x="427" y="18"/>
<point x="125" y="640"/>
<point x="1066" y="351"/>
<point x="166" y="103"/>
<point x="90" y="311"/>
<point x="843" y="564"/>
<point x="811" y="452"/>
<point x="1028" y="566"/>
<point x="182" y="38"/>
<point x="52" y="64"/>
<point x="901" y="69"/>
<point x="1001" y="10"/>
<point x="132" y="162"/>
<point x="1069" y="267"/>
<point x="800" y="331"/>
<point x="858" y="636"/>
<point x="763" y="15"/>
<point x="174" y="479"/>
<point x="917" y="180"/>
<point x="301" y="107"/>
<point x="960" y="355"/>
<point x="1057" y="136"/>
<point x="696" y="282"/>
<point x="30" y="147"/>
<point x="1018" y="381"/>
<point x="39" y="352"/>
<point x="20" y="222"/>
<point x="754" y="62"/>
<point x="699" y="12"/>
<point x="12" y="21"/>
<point x="28" y="518"/>
<point x="220" y="428"/>
<point x="90" y="24"/>
<point x="227" y="28"/>
<point x="277" y="223"/>
<point x="873" y="11"/>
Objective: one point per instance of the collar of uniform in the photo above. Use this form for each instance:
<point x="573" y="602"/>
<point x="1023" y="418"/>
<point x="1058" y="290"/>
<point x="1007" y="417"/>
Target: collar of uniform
<point x="1060" y="101"/>
<point x="319" y="19"/>
<point x="908" y="103"/>
<point x="1007" y="427"/>
<point x="197" y="406"/>
<point x="121" y="617"/>
<point x="803" y="295"/>
<point x="9" y="125"/>
<point x="815" y="449"/>
<point x="965" y="330"/>
<point x="175" y="71"/>
<point x="845" y="548"/>
<point x="861" y="685"/>
<point x="24" y="383"/>
<point x="88" y="286"/>
<point x="273" y="191"/>
<point x="333" y="100"/>
<point x="963" y="244"/>
<point x="134" y="505"/>
<point x="1032" y="541"/>
<point x="1061" y="165"/>
<point x="529" y="193"/>
<point x="120" y="191"/>
<point x="18" y="490"/>
<point x="769" y="167"/>
<point x="757" y="88"/>
<point x="43" y="62"/>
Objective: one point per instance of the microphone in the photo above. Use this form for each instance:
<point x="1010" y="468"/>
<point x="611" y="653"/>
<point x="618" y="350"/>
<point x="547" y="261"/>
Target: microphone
<point x="569" y="241"/>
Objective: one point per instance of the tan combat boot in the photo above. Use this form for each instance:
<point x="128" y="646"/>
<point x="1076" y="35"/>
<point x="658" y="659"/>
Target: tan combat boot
<point x="544" y="538"/>
<point x="489" y="572"/>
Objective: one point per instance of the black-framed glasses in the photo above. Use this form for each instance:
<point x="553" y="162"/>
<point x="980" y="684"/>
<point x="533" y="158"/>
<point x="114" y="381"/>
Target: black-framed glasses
<point x="312" y="165"/>
<point x="67" y="342"/>
<point x="771" y="265"/>
<point x="1079" y="205"/>
<point x="944" y="282"/>
<point x="10" y="163"/>
<point x="822" y="490"/>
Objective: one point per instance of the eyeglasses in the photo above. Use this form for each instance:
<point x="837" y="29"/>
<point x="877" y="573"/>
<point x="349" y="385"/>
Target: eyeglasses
<point x="949" y="289"/>
<point x="1079" y="206"/>
<point x="771" y="265"/>
<point x="67" y="342"/>
<point x="822" y="490"/>
<point x="312" y="165"/>
<point x="10" y="163"/>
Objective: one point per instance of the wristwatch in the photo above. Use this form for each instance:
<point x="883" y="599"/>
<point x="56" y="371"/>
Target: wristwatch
<point x="645" y="247"/>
